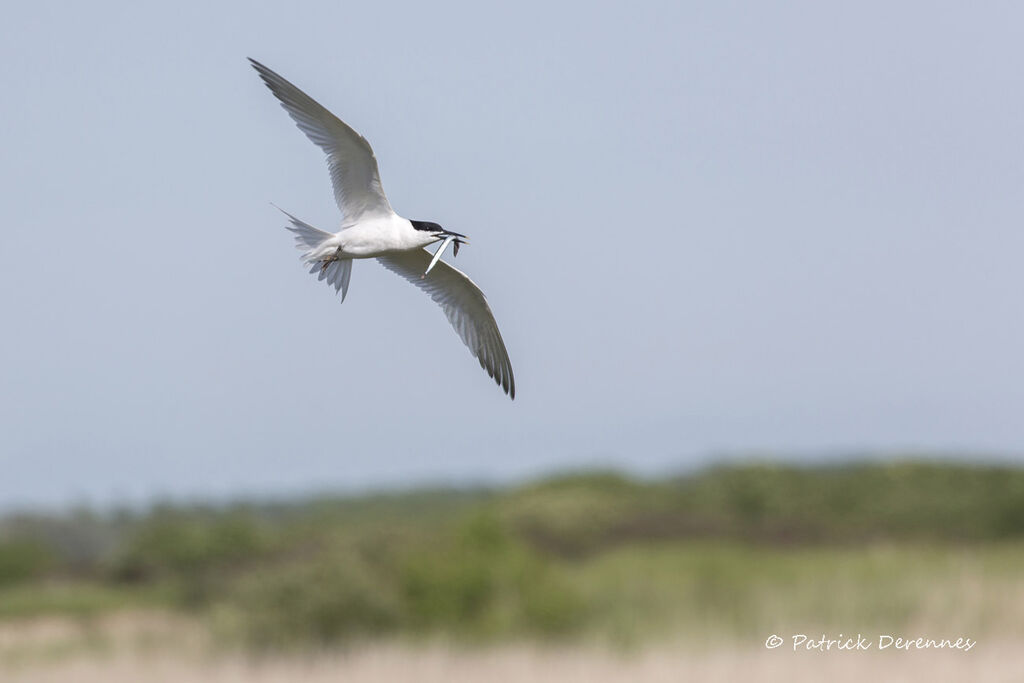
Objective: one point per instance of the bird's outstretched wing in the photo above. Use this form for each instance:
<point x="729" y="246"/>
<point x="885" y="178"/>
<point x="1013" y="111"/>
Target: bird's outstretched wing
<point x="350" y="159"/>
<point x="465" y="306"/>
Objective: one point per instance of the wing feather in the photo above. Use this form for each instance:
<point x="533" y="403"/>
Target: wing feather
<point x="350" y="159"/>
<point x="465" y="307"/>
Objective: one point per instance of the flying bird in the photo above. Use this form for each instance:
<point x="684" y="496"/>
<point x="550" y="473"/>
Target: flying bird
<point x="371" y="229"/>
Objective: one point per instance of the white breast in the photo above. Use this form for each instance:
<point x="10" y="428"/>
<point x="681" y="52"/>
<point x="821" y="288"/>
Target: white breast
<point x="372" y="237"/>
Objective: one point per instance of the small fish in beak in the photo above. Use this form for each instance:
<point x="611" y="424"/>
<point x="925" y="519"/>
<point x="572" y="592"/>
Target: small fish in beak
<point x="437" y="254"/>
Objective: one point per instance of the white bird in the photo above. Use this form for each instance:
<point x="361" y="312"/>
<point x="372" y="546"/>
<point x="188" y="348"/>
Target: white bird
<point x="371" y="229"/>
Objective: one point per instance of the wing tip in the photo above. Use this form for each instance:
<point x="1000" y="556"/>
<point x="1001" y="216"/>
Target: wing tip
<point x="260" y="68"/>
<point x="504" y="379"/>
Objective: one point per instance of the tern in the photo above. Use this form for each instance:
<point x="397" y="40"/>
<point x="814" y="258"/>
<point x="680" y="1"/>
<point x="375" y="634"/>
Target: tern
<point x="371" y="229"/>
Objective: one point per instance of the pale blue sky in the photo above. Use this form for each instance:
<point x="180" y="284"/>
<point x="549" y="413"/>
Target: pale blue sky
<point x="703" y="228"/>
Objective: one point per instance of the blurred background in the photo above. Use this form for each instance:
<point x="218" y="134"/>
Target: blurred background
<point x="757" y="269"/>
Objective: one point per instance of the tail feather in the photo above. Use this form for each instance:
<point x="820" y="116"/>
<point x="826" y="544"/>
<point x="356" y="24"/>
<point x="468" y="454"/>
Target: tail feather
<point x="309" y="239"/>
<point x="337" y="273"/>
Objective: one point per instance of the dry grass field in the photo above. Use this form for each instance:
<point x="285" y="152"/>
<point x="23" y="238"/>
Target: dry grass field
<point x="157" y="648"/>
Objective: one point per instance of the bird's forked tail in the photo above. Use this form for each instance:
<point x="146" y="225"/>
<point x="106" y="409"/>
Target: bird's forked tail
<point x="310" y="240"/>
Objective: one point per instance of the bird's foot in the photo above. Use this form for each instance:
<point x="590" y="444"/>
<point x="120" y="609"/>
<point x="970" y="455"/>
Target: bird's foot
<point x="329" y="261"/>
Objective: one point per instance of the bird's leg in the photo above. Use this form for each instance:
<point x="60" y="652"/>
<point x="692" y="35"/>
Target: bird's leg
<point x="437" y="255"/>
<point x="329" y="261"/>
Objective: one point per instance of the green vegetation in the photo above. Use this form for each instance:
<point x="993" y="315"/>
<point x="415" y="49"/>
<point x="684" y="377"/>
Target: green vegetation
<point x="732" y="550"/>
<point x="22" y="559"/>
